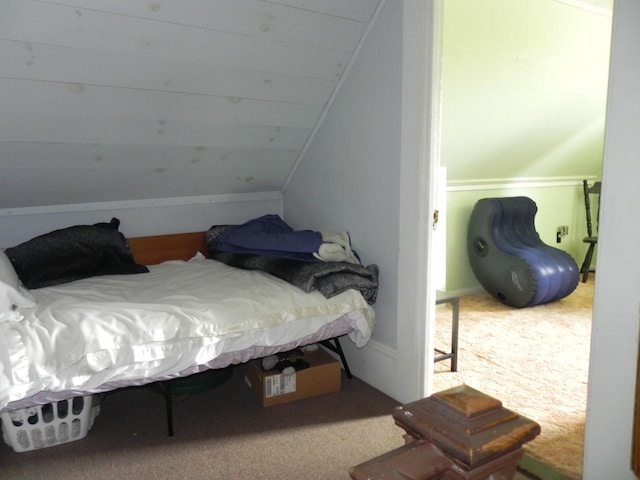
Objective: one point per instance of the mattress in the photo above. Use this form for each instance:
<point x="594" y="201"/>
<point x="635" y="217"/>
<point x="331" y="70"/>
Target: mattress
<point x="101" y="333"/>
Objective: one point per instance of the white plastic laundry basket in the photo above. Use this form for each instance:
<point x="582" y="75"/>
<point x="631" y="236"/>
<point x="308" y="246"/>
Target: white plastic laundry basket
<point x="47" y="425"/>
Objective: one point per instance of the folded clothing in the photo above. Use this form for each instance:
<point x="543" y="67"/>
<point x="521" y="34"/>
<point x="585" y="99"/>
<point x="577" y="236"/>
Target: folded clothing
<point x="329" y="278"/>
<point x="269" y="235"/>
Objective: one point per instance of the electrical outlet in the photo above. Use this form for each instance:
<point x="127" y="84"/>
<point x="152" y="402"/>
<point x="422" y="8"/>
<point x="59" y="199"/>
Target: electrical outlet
<point x="563" y="231"/>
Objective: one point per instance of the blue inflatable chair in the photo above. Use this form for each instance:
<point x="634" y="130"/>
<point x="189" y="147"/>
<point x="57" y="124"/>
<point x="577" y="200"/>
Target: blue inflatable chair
<point x="509" y="259"/>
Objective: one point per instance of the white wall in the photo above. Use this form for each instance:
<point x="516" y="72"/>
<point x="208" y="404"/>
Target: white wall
<point x="614" y="346"/>
<point x="141" y="217"/>
<point x="351" y="177"/>
<point x="349" y="180"/>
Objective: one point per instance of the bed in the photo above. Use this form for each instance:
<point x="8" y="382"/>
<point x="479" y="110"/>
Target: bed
<point x="182" y="314"/>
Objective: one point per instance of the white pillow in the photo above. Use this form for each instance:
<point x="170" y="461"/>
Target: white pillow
<point x="12" y="293"/>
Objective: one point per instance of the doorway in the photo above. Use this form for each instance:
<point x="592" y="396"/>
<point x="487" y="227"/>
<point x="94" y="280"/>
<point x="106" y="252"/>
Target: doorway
<point x="517" y="117"/>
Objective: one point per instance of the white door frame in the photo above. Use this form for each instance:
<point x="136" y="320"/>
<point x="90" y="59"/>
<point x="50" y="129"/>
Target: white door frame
<point x="418" y="177"/>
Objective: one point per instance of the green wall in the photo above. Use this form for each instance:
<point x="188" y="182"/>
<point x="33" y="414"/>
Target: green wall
<point x="524" y="86"/>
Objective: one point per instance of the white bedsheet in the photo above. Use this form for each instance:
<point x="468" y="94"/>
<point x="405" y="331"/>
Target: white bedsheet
<point x="128" y="328"/>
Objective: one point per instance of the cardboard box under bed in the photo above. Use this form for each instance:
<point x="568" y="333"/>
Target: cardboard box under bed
<point x="274" y="388"/>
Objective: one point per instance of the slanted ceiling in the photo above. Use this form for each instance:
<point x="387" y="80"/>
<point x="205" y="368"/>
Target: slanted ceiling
<point x="524" y="89"/>
<point x="105" y="100"/>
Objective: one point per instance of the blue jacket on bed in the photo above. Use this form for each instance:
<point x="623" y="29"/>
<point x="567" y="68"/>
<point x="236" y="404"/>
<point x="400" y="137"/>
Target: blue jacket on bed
<point x="270" y="236"/>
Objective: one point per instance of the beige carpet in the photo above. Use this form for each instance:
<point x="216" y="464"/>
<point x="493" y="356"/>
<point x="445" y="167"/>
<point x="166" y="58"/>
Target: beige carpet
<point x="221" y="434"/>
<point x="535" y="360"/>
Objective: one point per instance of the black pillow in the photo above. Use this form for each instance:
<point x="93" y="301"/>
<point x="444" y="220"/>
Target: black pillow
<point x="73" y="253"/>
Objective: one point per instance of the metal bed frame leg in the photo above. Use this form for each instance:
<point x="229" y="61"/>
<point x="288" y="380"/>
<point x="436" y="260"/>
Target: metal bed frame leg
<point x="166" y="387"/>
<point x="337" y="349"/>
<point x="443" y="297"/>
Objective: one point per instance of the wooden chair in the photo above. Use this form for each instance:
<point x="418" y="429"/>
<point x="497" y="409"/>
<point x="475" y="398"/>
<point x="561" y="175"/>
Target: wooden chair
<point x="591" y="239"/>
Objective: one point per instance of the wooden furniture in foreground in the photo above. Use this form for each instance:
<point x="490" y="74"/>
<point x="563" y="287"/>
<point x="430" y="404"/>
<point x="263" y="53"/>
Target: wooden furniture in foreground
<point x="459" y="433"/>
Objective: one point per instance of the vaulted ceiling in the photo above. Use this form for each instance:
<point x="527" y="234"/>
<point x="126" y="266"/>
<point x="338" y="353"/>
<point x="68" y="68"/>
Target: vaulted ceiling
<point x="105" y="100"/>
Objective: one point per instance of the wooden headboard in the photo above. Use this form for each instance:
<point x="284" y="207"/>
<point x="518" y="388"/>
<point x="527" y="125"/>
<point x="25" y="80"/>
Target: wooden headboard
<point x="159" y="248"/>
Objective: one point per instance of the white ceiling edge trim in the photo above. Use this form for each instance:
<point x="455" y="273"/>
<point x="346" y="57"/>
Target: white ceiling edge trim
<point x="153" y="202"/>
<point x="333" y="96"/>
<point x="589" y="7"/>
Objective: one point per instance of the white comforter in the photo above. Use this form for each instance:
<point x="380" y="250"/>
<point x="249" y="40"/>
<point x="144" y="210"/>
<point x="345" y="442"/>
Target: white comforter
<point x="119" y="328"/>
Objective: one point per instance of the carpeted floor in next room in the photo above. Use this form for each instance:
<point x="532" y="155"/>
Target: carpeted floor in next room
<point x="535" y="360"/>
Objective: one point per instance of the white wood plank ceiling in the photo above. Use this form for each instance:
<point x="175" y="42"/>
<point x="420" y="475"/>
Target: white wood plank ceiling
<point x="104" y="100"/>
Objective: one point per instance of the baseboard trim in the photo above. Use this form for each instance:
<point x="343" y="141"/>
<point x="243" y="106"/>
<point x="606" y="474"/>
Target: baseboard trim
<point x="375" y="364"/>
<point x="530" y="467"/>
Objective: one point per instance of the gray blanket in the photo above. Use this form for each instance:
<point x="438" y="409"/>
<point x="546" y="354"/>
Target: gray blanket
<point x="329" y="278"/>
